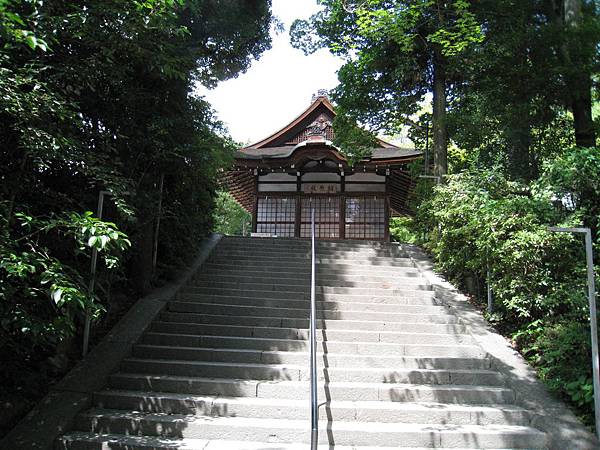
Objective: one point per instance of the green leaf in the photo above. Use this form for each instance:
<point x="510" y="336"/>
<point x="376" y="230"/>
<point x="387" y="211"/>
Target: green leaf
<point x="57" y="295"/>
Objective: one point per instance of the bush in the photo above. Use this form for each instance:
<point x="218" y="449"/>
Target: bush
<point x="479" y="221"/>
<point x="402" y="229"/>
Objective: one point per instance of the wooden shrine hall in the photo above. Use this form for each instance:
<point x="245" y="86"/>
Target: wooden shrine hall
<point x="279" y="179"/>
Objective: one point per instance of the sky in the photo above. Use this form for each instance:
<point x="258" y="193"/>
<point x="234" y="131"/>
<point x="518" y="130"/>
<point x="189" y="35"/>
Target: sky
<point x="277" y="87"/>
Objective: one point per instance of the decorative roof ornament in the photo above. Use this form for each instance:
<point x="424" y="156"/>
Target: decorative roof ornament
<point x="320" y="93"/>
<point x="319" y="127"/>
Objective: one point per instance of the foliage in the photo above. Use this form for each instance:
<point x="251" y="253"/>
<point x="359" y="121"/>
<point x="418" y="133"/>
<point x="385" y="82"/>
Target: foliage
<point x="481" y="220"/>
<point x="561" y="352"/>
<point x="42" y="290"/>
<point x="99" y="96"/>
<point x="229" y="217"/>
<point x="402" y="229"/>
<point x="394" y="52"/>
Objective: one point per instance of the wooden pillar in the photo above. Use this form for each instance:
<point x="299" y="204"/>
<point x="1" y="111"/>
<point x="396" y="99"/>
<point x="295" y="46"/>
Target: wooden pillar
<point x="387" y="208"/>
<point x="298" y="219"/>
<point x="343" y="207"/>
<point x="255" y="206"/>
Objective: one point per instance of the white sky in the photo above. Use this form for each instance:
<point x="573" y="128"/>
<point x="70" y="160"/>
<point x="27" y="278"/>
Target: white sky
<point x="277" y="87"/>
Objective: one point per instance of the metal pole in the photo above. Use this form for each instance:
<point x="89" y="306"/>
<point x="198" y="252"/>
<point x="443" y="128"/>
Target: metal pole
<point x="157" y="229"/>
<point x="92" y="285"/>
<point x="427" y="147"/>
<point x="490" y="299"/>
<point x="593" y="326"/>
<point x="314" y="409"/>
<point x="593" y="315"/>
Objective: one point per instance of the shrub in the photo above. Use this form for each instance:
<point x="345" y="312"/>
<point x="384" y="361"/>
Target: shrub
<point x="480" y="221"/>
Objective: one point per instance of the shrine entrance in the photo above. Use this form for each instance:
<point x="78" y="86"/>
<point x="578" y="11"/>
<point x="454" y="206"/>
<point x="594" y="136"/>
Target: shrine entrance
<point x="281" y="178"/>
<point x="339" y="216"/>
<point x="327" y="216"/>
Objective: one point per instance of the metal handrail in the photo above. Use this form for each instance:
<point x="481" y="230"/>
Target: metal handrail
<point x="314" y="407"/>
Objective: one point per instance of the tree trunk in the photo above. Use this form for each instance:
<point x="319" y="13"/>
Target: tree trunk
<point x="440" y="132"/>
<point x="577" y="76"/>
<point x="581" y="105"/>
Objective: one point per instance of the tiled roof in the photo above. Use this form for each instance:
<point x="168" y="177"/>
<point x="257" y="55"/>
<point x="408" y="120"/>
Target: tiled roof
<point x="287" y="150"/>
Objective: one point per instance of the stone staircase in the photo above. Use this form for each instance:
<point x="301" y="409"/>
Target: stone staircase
<point x="225" y="366"/>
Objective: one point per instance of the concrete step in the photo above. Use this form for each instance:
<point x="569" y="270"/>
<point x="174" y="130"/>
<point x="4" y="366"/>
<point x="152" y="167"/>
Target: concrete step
<point x="303" y="263"/>
<point x="268" y="408"/>
<point x="300" y="357"/>
<point x="268" y="258"/>
<point x="242" y="277"/>
<point x="245" y="242"/>
<point x="232" y="267"/>
<point x="263" y="252"/>
<point x="303" y="323"/>
<point x="406" y="296"/>
<point x="366" y="298"/>
<point x="358" y="348"/>
<point x="330" y="335"/>
<point x="367" y="270"/>
<point x="424" y="298"/>
<point x="239" y="310"/>
<point x="375" y="261"/>
<point x="264" y="371"/>
<point x="89" y="441"/>
<point x="300" y="253"/>
<point x="241" y="241"/>
<point x="321" y="305"/>
<point x="285" y="430"/>
<point x="299" y="390"/>
<point x="293" y="285"/>
<point x="296" y="264"/>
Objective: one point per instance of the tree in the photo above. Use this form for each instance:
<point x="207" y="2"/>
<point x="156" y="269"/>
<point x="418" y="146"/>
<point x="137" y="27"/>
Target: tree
<point x="578" y="22"/>
<point x="396" y="52"/>
<point x="512" y="101"/>
<point x="99" y="96"/>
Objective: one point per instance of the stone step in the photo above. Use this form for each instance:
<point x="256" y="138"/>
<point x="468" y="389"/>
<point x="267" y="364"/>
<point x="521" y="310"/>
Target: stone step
<point x="285" y="322"/>
<point x="238" y="310"/>
<point x="366" y="270"/>
<point x="258" y="277"/>
<point x="89" y="441"/>
<point x="388" y="262"/>
<point x="232" y="267"/>
<point x="338" y="262"/>
<point x="285" y="430"/>
<point x="264" y="371"/>
<point x="252" y="257"/>
<point x="305" y="253"/>
<point x="321" y="305"/>
<point x="357" y="348"/>
<point x="296" y="264"/>
<point x="387" y="412"/>
<point x="341" y="335"/>
<point x="294" y="285"/>
<point x="245" y="242"/>
<point x="301" y="356"/>
<point x="423" y="298"/>
<point x="299" y="390"/>
<point x="405" y="297"/>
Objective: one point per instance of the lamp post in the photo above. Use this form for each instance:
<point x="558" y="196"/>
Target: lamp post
<point x="593" y="317"/>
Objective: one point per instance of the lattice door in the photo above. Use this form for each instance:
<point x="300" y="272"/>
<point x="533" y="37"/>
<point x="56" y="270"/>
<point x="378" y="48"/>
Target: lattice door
<point x="327" y="216"/>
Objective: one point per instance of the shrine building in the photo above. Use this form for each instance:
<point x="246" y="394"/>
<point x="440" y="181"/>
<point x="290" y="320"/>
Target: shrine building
<point x="279" y="179"/>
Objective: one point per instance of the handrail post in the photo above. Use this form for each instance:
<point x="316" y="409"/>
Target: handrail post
<point x="314" y="408"/>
